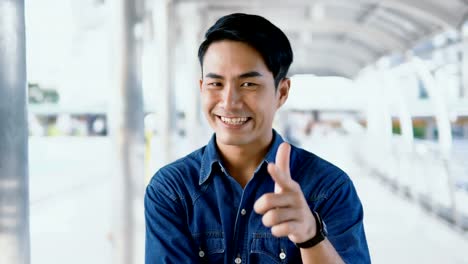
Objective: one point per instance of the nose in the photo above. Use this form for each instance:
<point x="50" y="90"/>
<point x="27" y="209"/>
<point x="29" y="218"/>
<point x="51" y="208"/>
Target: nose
<point x="231" y="97"/>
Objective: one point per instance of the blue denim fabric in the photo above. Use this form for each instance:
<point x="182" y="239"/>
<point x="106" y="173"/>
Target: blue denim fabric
<point x="196" y="213"/>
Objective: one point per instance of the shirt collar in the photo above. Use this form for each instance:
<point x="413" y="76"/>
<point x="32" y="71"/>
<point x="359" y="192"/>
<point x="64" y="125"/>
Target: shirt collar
<point x="271" y="154"/>
<point x="211" y="155"/>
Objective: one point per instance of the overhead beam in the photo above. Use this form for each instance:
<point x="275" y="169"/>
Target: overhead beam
<point x="346" y="50"/>
<point x="424" y="9"/>
<point x="321" y="72"/>
<point x="428" y="10"/>
<point x="406" y="20"/>
<point x="387" y="23"/>
<point x="341" y="26"/>
<point x="327" y="61"/>
<point x="375" y="37"/>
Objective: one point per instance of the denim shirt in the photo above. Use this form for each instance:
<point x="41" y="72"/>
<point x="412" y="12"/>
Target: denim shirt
<point x="197" y="213"/>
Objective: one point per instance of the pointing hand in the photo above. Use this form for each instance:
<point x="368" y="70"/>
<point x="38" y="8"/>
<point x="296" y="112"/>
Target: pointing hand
<point x="286" y="210"/>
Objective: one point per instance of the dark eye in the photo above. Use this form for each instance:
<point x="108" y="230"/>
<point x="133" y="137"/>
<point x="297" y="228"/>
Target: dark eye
<point x="214" y="84"/>
<point x="248" y="84"/>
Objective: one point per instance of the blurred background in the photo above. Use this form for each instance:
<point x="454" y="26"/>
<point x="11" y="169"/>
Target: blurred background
<point x="379" y="87"/>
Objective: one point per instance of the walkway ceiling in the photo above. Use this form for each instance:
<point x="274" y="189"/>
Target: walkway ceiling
<point x="340" y="37"/>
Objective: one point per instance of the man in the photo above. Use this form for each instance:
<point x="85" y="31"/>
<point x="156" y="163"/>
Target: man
<point x="247" y="196"/>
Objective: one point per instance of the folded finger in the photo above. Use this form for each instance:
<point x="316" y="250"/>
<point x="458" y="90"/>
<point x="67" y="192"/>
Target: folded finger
<point x="270" y="201"/>
<point x="278" y="216"/>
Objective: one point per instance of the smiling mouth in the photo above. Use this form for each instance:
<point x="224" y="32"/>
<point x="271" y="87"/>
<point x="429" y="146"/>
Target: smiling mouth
<point x="234" y="121"/>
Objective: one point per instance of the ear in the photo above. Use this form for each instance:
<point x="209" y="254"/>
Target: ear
<point x="283" y="91"/>
<point x="201" y="85"/>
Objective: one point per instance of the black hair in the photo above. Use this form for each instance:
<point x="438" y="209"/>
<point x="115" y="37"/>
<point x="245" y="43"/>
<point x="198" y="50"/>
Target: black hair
<point x="259" y="33"/>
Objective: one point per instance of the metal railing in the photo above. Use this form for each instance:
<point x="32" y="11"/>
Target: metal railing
<point x="422" y="174"/>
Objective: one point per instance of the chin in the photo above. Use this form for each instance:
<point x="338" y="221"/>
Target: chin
<point x="232" y="140"/>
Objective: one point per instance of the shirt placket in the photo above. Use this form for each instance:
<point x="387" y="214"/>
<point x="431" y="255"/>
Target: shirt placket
<point x="240" y="230"/>
<point x="242" y="217"/>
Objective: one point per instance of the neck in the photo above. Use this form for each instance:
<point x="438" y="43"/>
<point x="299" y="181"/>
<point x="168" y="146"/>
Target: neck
<point x="242" y="160"/>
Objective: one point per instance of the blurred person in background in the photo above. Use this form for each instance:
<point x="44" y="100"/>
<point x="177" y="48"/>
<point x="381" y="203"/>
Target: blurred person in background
<point x="248" y="196"/>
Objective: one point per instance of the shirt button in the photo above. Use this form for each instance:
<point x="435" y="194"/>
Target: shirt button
<point x="243" y="212"/>
<point x="282" y="255"/>
<point x="201" y="253"/>
<point x="238" y="260"/>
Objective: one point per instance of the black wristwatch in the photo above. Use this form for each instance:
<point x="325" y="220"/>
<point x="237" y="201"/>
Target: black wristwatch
<point x="319" y="235"/>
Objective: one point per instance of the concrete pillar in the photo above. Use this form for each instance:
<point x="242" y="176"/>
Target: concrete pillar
<point x="165" y="109"/>
<point x="464" y="62"/>
<point x="379" y="121"/>
<point x="430" y="128"/>
<point x="14" y="188"/>
<point x="384" y="100"/>
<point x="407" y="157"/>
<point x="440" y="106"/>
<point x="190" y="38"/>
<point x="443" y="124"/>
<point x="465" y="129"/>
<point x="402" y="156"/>
<point x="406" y="121"/>
<point x="127" y="127"/>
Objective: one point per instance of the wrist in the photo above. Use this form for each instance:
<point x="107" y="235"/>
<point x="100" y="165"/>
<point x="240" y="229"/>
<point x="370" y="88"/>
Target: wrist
<point x="319" y="236"/>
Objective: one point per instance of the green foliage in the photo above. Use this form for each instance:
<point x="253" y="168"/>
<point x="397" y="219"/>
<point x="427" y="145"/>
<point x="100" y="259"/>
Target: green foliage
<point x="38" y="95"/>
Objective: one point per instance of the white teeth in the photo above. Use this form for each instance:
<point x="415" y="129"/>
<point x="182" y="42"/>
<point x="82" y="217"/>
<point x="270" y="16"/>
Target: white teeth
<point x="234" y="121"/>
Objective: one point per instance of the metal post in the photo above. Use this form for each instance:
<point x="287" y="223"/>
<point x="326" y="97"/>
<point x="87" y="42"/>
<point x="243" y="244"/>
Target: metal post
<point x="127" y="127"/>
<point x="14" y="189"/>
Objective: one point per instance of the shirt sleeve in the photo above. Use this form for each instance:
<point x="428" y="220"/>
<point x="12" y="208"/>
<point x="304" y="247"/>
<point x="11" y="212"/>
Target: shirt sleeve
<point x="343" y="214"/>
<point x="168" y="239"/>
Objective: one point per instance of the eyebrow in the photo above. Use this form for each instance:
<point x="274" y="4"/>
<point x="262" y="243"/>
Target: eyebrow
<point x="242" y="76"/>
<point x="214" y="76"/>
<point x="250" y="74"/>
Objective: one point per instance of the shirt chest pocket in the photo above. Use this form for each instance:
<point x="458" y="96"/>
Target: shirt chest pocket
<point x="210" y="247"/>
<point x="266" y="248"/>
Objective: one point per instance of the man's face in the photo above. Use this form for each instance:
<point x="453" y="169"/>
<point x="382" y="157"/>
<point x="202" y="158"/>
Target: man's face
<point x="238" y="94"/>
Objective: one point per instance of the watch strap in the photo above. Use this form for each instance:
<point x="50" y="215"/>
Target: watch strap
<point x="319" y="235"/>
